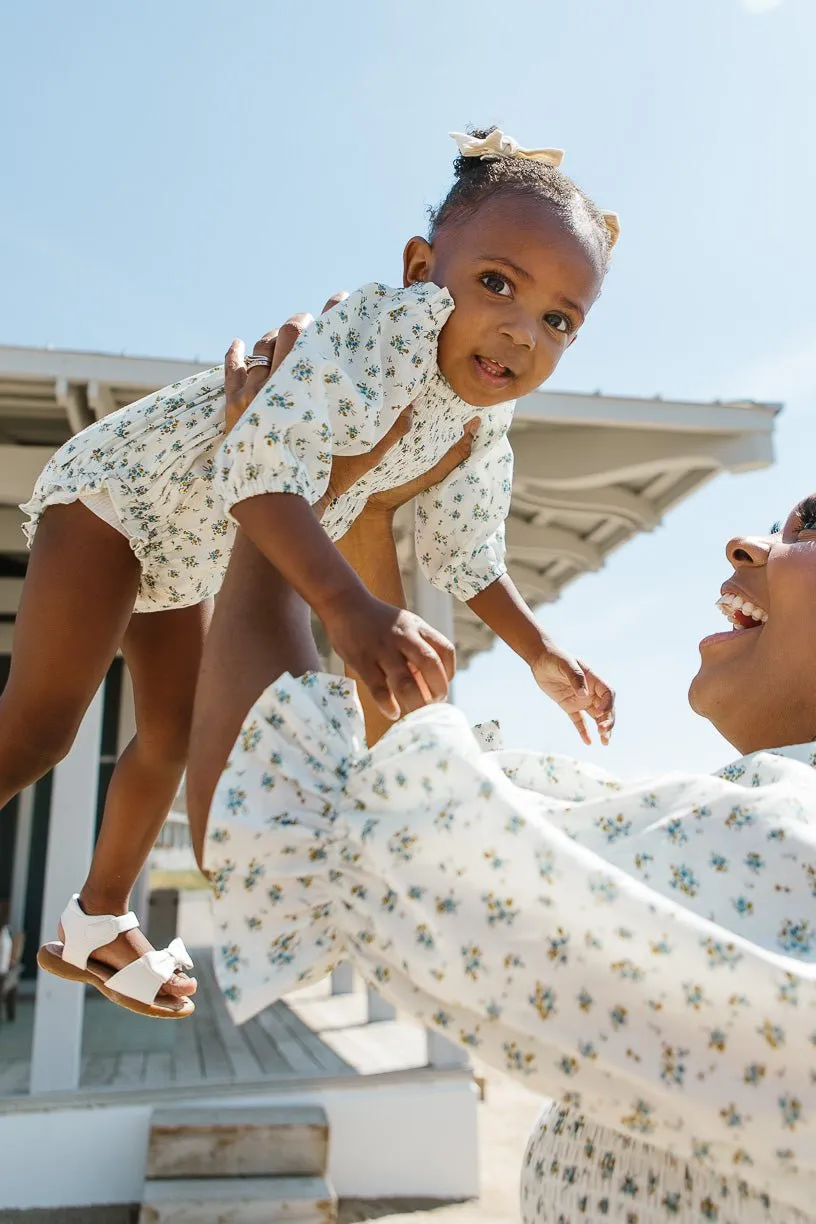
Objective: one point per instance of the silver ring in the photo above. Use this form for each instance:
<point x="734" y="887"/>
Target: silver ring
<point x="258" y="360"/>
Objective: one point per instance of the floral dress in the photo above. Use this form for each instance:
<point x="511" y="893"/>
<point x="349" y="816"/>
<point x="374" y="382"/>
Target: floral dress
<point x="644" y="955"/>
<point x="168" y="478"/>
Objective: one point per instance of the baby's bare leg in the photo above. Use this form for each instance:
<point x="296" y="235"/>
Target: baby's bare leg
<point x="77" y="601"/>
<point x="163" y="653"/>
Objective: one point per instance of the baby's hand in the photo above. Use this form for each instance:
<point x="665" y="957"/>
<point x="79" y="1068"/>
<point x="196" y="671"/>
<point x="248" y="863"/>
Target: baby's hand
<point x="576" y="688"/>
<point x="403" y="662"/>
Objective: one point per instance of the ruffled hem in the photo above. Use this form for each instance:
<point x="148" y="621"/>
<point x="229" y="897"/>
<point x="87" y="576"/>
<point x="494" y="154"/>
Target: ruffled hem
<point x="575" y="1172"/>
<point x="54" y="493"/>
<point x="467" y="585"/>
<point x="293" y="482"/>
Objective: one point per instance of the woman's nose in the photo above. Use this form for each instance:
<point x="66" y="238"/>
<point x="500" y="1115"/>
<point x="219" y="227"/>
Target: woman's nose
<point x="747" y="552"/>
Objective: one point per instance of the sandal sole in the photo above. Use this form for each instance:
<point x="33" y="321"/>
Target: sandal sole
<point x="50" y="959"/>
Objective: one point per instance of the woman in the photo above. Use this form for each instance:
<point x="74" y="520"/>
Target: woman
<point x="642" y="954"/>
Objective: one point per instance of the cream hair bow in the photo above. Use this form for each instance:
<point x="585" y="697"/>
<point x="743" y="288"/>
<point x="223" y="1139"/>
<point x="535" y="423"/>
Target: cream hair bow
<point x="497" y="144"/>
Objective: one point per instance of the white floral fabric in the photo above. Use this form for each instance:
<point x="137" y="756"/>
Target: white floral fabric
<point x="339" y="391"/>
<point x="171" y="477"/>
<point x="152" y="464"/>
<point x="642" y="954"/>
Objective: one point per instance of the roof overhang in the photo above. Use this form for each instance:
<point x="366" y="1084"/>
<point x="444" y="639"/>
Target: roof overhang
<point x="591" y="471"/>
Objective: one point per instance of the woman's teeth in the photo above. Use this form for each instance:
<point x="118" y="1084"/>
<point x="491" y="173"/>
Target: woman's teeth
<point x="741" y="611"/>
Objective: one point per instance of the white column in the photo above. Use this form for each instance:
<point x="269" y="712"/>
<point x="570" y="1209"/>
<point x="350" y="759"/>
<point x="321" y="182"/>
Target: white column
<point x="126" y="729"/>
<point x="58" y="1012"/>
<point x="379" y="1009"/>
<point x="436" y="607"/>
<point x="342" y="979"/>
<point x="22" y="857"/>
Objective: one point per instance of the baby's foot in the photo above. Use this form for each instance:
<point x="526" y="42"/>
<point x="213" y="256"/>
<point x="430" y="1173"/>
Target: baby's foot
<point x="127" y="948"/>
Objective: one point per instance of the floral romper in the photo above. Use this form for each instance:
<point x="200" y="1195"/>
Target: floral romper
<point x="162" y="472"/>
<point x="643" y="954"/>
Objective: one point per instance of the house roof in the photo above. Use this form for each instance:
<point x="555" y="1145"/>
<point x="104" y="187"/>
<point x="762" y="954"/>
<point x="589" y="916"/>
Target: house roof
<point x="591" y="471"/>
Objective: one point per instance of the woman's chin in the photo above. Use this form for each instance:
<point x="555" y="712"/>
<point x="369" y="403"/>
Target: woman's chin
<point x="726" y="704"/>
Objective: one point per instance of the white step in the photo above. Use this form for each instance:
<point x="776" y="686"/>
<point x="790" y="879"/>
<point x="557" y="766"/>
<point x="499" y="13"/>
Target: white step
<point x="237" y="1200"/>
<point x="240" y="1142"/>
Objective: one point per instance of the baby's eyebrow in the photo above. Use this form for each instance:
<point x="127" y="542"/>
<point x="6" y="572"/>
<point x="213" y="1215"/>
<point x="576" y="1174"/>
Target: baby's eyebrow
<point x="508" y="263"/>
<point x="570" y="305"/>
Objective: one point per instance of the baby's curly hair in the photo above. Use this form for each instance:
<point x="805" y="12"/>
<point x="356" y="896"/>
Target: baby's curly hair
<point x="477" y="180"/>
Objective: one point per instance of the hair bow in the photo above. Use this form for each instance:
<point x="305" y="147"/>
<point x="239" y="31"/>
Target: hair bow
<point x="613" y="227"/>
<point x="497" y="144"/>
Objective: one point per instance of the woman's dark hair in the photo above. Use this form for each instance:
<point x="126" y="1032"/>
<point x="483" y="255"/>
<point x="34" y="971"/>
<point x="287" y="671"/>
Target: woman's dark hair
<point x="477" y="180"/>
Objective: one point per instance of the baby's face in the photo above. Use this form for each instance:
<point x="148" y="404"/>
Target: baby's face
<point x="523" y="283"/>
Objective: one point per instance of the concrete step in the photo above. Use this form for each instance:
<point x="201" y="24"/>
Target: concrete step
<point x="241" y="1142"/>
<point x="236" y="1200"/>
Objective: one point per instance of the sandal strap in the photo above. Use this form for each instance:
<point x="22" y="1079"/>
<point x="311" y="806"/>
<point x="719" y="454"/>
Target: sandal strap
<point x="143" y="979"/>
<point x="84" y="933"/>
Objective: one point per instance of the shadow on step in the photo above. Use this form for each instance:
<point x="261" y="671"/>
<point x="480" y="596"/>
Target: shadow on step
<point x="356" y="1211"/>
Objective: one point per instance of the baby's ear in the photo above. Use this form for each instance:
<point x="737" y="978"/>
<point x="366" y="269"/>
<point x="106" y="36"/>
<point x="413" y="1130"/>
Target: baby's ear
<point x="417" y="261"/>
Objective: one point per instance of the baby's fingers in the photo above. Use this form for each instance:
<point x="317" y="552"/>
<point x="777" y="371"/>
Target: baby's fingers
<point x="426" y="667"/>
<point x="602" y="705"/>
<point x="578" y="721"/>
<point x="381" y="689"/>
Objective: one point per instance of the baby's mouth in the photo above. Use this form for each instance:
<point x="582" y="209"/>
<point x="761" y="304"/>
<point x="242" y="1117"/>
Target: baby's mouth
<point x="494" y="371"/>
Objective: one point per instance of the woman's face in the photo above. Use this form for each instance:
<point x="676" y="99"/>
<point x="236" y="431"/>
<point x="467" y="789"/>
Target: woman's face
<point x="757" y="681"/>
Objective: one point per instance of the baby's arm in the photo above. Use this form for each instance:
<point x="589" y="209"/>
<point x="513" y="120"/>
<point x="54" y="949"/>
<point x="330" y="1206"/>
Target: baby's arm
<point x="460" y="546"/>
<point x="348" y="378"/>
<point x="571" y="684"/>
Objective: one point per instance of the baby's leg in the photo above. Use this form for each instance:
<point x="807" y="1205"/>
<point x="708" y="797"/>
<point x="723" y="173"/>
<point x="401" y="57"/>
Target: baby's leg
<point x="163" y="653"/>
<point x="260" y="629"/>
<point x="77" y="601"/>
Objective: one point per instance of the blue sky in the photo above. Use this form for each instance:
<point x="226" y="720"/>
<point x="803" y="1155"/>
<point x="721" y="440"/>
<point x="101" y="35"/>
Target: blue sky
<point x="175" y="175"/>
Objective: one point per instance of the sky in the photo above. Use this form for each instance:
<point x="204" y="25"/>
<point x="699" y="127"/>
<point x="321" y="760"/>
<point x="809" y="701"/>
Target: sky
<point x="176" y="175"/>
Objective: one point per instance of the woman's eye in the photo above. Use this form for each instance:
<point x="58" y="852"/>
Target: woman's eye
<point x="496" y="284"/>
<point x="806" y="513"/>
<point x="558" y="321"/>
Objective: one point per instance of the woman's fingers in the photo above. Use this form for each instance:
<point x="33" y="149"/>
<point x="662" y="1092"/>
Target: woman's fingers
<point x="257" y="376"/>
<point x="392" y="499"/>
<point x="347" y="469"/>
<point x="458" y="453"/>
<point x="288" y="336"/>
<point x="335" y="300"/>
<point x="242" y="384"/>
<point x="235" y="370"/>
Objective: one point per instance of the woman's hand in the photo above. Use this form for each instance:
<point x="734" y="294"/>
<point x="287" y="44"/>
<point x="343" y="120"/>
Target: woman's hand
<point x="242" y="385"/>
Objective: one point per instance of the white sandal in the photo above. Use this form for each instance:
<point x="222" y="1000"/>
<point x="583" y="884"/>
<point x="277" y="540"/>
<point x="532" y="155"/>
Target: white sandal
<point x="134" y="987"/>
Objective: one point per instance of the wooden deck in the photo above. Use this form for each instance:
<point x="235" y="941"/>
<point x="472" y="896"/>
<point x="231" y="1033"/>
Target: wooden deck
<point x="313" y="1036"/>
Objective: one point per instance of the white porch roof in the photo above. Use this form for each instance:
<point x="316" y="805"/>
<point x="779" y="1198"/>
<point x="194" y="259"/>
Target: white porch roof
<point x="591" y="470"/>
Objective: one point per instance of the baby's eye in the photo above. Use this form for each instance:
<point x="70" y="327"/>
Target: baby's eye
<point x="558" y="321"/>
<point x="497" y="284"/>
